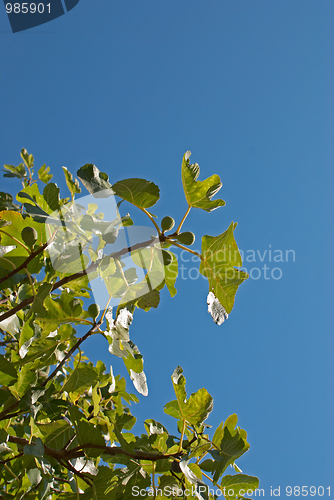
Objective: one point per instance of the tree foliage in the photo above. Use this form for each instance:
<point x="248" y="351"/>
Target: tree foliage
<point x="65" y="423"/>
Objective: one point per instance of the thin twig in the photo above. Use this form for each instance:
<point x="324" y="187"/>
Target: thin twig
<point x="183" y="219"/>
<point x="70" y="352"/>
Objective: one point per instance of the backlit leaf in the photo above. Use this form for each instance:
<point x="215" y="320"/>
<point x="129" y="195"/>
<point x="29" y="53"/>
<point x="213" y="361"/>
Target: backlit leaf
<point x="220" y="256"/>
<point x="199" y="193"/>
<point x="139" y="192"/>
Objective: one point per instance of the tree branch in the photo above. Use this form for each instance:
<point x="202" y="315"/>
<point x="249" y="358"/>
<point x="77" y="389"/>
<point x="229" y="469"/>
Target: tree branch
<point x="77" y="452"/>
<point x="25" y="263"/>
<point x="70" y="352"/>
<point x="92" y="267"/>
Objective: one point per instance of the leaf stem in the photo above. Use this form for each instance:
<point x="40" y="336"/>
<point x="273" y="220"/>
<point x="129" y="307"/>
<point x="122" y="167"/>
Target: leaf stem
<point x="151" y="218"/>
<point x="9" y="262"/>
<point x="184" y="248"/>
<point x="182" y="434"/>
<point x="183" y="219"/>
<point x="31" y="282"/>
<point x="105" y="309"/>
<point x="122" y="273"/>
<point x="15" y="239"/>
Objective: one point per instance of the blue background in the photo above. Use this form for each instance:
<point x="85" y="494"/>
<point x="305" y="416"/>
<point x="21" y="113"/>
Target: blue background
<point x="247" y="86"/>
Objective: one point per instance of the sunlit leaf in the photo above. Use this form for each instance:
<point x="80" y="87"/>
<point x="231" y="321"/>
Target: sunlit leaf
<point x="237" y="486"/>
<point x="220" y="256"/>
<point x="95" y="181"/>
<point x="43" y="174"/>
<point x="139" y="192"/>
<point x="194" y="410"/>
<point x="199" y="193"/>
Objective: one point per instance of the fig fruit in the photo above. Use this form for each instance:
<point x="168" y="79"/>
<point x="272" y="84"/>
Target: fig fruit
<point x="186" y="238"/>
<point x="29" y="236"/>
<point x="167" y="223"/>
<point x="94" y="310"/>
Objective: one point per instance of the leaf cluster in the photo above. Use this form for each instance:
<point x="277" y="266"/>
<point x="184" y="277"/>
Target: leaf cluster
<point x="65" y="423"/>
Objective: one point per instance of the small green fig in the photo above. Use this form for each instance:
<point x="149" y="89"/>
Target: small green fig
<point x="167" y="223"/>
<point x="186" y="238"/>
<point x="94" y="310"/>
<point x="29" y="236"/>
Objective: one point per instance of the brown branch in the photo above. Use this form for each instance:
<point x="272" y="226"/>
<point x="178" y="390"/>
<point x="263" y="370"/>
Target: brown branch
<point x="5" y="342"/>
<point x="70" y="467"/>
<point x="25" y="263"/>
<point x="11" y="458"/>
<point x="5" y="414"/>
<point x="70" y="352"/>
<point x="77" y="452"/>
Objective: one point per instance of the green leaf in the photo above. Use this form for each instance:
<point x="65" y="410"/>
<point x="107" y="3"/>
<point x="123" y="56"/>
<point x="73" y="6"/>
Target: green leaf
<point x="8" y="375"/>
<point x="26" y="379"/>
<point x="150" y="299"/>
<point x="102" y="487"/>
<point x="27" y="158"/>
<point x="73" y="185"/>
<point x="220" y="255"/>
<point x="86" y="432"/>
<point x="171" y="272"/>
<point x="6" y="202"/>
<point x="29" y="333"/>
<point x="232" y="445"/>
<point x="37" y="449"/>
<point x="37" y="305"/>
<point x="19" y="171"/>
<point x="239" y="484"/>
<point x="80" y="380"/>
<point x="35" y="476"/>
<point x="196" y="409"/>
<point x="43" y="174"/>
<point x="51" y="196"/>
<point x="55" y="434"/>
<point x="94" y="180"/>
<point x="139" y="192"/>
<point x="11" y="325"/>
<point x="199" y="193"/>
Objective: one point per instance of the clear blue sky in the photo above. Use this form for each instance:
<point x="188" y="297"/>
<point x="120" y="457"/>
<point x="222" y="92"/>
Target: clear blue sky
<point x="247" y="86"/>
